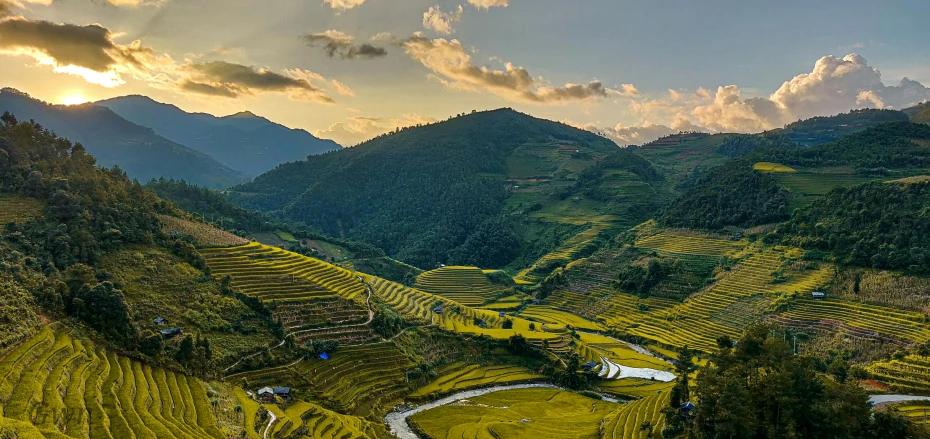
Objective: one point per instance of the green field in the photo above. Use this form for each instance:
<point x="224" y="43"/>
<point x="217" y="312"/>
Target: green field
<point x="808" y="186"/>
<point x="513" y="414"/>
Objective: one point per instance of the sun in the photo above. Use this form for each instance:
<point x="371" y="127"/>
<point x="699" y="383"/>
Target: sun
<point x="74" y="99"/>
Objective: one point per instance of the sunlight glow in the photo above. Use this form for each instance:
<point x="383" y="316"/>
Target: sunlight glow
<point x="74" y="99"/>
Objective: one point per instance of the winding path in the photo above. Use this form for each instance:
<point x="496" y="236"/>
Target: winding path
<point x="271" y="419"/>
<point x="371" y="316"/>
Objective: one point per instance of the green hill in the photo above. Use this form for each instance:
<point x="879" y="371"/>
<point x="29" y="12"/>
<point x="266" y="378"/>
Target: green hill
<point x="469" y="190"/>
<point x="736" y="194"/>
<point x="922" y="117"/>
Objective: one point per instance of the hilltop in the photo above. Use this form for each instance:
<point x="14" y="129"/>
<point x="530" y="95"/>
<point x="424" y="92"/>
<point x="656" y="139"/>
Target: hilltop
<point x="479" y="189"/>
<point x="112" y="140"/>
<point x="243" y="141"/>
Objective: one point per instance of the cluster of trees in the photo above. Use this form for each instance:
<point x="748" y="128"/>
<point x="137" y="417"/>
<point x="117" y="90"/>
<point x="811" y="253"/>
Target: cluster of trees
<point x="758" y="388"/>
<point x="387" y="322"/>
<point x="878" y="225"/>
<point x="641" y="278"/>
<point x="736" y="145"/>
<point x="732" y="194"/>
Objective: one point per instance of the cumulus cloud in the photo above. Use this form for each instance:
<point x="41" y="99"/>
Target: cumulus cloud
<point x="357" y="129"/>
<point x="442" y="22"/>
<point x="453" y="66"/>
<point x="336" y="43"/>
<point x="639" y="134"/>
<point x="487" y="4"/>
<point x="343" y="4"/>
<point x="730" y="113"/>
<point x="92" y="53"/>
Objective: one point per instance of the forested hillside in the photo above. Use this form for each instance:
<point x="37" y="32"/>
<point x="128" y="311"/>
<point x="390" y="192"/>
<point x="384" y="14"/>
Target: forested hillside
<point x="739" y="194"/>
<point x="424" y="192"/>
<point x="112" y="140"/>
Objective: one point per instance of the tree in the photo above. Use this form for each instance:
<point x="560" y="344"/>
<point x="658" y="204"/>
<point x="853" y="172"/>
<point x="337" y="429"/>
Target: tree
<point x="508" y="324"/>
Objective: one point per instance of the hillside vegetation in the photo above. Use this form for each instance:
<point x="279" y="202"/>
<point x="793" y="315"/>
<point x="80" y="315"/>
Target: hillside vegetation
<point x="114" y="141"/>
<point x="449" y="186"/>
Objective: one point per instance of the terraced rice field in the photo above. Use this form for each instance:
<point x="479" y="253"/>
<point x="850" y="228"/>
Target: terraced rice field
<point x="917" y="411"/>
<point x="273" y="274"/>
<point x="724" y="308"/>
<point x="550" y="315"/>
<point x="689" y="245"/>
<point x="317" y="313"/>
<point x="910" y="375"/>
<point x="305" y="420"/>
<point x="418" y="306"/>
<point x="638" y="419"/>
<point x="205" y="234"/>
<point x="515" y="414"/>
<point x="360" y="380"/>
<point x="564" y="254"/>
<point x="463" y="376"/>
<point x="16" y="209"/>
<point x="810" y="186"/>
<point x="468" y="286"/>
<point x="859" y="319"/>
<point x="772" y="167"/>
<point x="57" y="386"/>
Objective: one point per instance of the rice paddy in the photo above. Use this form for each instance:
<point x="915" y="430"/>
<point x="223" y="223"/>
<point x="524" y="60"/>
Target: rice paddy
<point x="17" y="209"/>
<point x="204" y="234"/>
<point x="55" y="386"/>
<point x="773" y="167"/>
<point x="306" y="420"/>
<point x="638" y="419"/>
<point x="564" y="254"/>
<point x="522" y="413"/>
<point x="463" y="376"/>
<point x="468" y="286"/>
<point x="273" y="274"/>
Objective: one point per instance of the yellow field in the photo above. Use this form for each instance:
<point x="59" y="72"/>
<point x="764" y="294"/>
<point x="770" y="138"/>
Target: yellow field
<point x="16" y="209"/>
<point x="463" y="376"/>
<point x="638" y="419"/>
<point x="772" y="167"/>
<point x="319" y="423"/>
<point x="466" y="285"/>
<point x="205" y="234"/>
<point x="516" y="414"/>
<point x="550" y="316"/>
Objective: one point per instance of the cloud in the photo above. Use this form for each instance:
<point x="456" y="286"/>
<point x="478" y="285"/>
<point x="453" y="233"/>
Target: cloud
<point x="452" y="65"/>
<point x="487" y="4"/>
<point x="225" y="79"/>
<point x="86" y="51"/>
<point x="344" y="4"/>
<point x="730" y="113"/>
<point x="641" y="134"/>
<point x="91" y="53"/>
<point x="357" y="129"/>
<point x="342" y="88"/>
<point x="336" y="43"/>
<point x="442" y="22"/>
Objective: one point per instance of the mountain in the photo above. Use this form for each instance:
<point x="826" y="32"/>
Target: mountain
<point x="113" y="140"/>
<point x="482" y="189"/>
<point x="917" y="109"/>
<point x="243" y="141"/>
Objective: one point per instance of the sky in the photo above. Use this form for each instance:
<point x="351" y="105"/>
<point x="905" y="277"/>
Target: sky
<point x="352" y="69"/>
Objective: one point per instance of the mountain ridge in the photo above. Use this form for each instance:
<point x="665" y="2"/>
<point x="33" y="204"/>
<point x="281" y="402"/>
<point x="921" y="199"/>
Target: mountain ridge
<point x="243" y="141"/>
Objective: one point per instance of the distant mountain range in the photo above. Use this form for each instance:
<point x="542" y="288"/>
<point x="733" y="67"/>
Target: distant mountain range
<point x="245" y="142"/>
<point x="113" y="140"/>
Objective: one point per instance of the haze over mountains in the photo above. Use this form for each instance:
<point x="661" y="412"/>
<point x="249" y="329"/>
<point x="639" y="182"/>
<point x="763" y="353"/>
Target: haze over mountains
<point x="245" y="142"/>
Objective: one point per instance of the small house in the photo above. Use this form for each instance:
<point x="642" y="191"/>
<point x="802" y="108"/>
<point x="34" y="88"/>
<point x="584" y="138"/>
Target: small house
<point x="687" y="407"/>
<point x="482" y="324"/>
<point x="324" y="356"/>
<point x="502" y="314"/>
<point x="818" y="295"/>
<point x="442" y="265"/>
<point x="589" y="365"/>
<point x="171" y="332"/>
<point x="266" y="394"/>
<point x="536" y="302"/>
<point x="438" y="309"/>
<point x="160" y="321"/>
<point x="283" y="393"/>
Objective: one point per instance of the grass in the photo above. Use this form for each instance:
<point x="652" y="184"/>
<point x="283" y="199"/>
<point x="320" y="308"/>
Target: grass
<point x="808" y="186"/>
<point x="773" y="167"/>
<point x="523" y="413"/>
<point x="462" y="376"/>
<point x="204" y="234"/>
<point x="14" y="208"/>
<point x="59" y="385"/>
